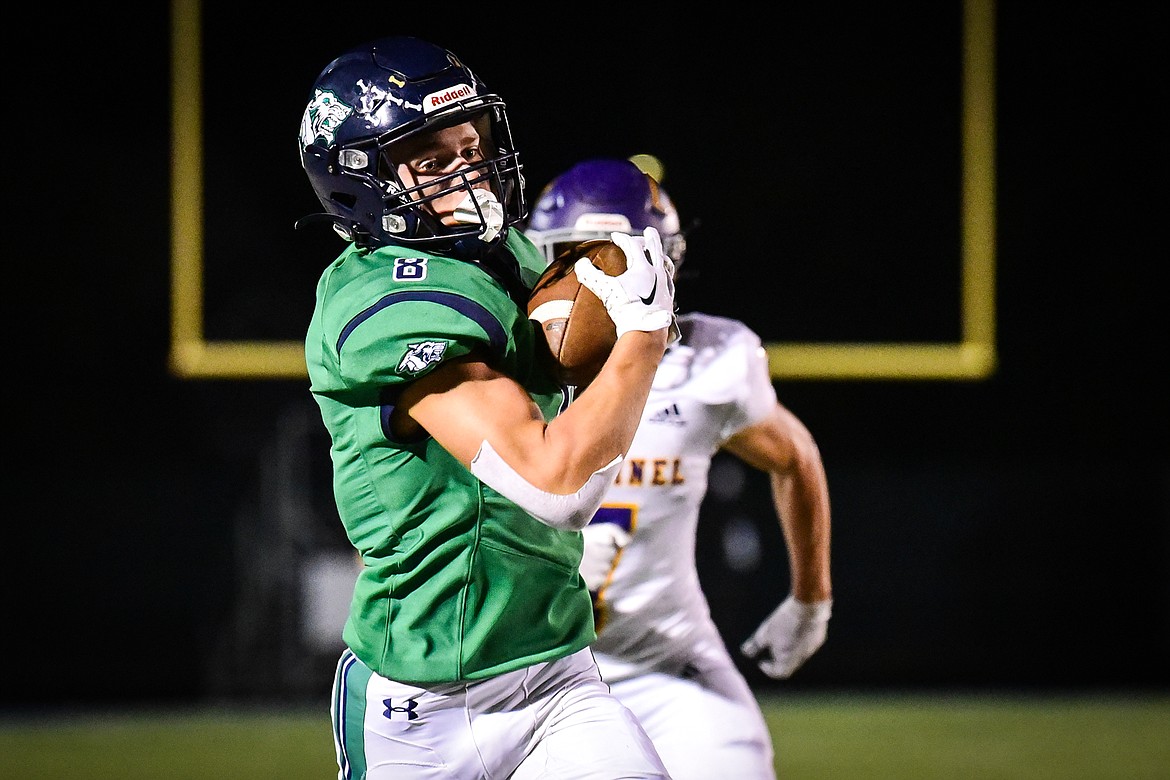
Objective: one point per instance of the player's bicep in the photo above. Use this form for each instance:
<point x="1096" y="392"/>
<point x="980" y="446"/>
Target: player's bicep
<point x="466" y="402"/>
<point x="773" y="444"/>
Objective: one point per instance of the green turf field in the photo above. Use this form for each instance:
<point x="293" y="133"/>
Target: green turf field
<point x="824" y="736"/>
<point x="981" y="738"/>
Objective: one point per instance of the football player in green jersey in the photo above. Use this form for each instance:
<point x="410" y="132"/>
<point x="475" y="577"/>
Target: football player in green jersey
<point x="461" y="473"/>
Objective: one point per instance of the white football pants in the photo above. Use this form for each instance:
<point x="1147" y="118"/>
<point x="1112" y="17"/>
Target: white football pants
<point x="705" y="725"/>
<point x="551" y="720"/>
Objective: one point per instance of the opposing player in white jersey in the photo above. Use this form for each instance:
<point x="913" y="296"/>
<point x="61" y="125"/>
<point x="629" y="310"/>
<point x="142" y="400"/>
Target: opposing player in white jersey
<point x="657" y="645"/>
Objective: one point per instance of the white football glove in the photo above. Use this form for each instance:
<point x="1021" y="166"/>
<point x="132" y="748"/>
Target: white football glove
<point x="642" y="297"/>
<point x="603" y="542"/>
<point x="786" y="639"/>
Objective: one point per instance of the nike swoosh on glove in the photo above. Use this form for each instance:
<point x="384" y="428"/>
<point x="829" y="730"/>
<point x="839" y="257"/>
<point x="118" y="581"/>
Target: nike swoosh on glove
<point x="642" y="296"/>
<point x="785" y="640"/>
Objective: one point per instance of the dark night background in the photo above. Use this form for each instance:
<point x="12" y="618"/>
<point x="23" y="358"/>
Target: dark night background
<point x="1011" y="532"/>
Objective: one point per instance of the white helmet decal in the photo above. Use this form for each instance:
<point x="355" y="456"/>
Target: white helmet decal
<point x="322" y="117"/>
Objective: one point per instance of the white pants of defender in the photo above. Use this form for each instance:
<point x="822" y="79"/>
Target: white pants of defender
<point x="551" y="720"/>
<point x="705" y="725"/>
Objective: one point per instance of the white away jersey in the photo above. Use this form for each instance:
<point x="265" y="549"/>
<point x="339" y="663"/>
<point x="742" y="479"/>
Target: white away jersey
<point x="651" y="613"/>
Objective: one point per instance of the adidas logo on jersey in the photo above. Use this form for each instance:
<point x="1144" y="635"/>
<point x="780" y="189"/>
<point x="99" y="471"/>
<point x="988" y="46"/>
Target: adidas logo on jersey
<point x="670" y="415"/>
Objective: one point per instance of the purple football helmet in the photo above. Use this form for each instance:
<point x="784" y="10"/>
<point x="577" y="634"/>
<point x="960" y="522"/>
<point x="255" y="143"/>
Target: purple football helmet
<point x="596" y="197"/>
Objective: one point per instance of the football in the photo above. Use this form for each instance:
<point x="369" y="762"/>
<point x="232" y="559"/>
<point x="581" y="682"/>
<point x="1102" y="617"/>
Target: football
<point x="578" y="333"/>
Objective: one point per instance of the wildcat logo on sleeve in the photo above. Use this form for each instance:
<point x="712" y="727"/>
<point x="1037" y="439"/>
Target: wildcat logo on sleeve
<point x="410" y="269"/>
<point x="419" y="356"/>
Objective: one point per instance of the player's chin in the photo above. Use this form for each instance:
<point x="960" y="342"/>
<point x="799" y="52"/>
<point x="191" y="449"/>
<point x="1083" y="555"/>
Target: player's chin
<point x="445" y="214"/>
<point x="444" y="208"/>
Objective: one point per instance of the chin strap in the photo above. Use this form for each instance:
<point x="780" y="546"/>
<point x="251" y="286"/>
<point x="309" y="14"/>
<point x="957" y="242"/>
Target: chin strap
<point x="314" y="219"/>
<point x="481" y="207"/>
<point x="347" y="232"/>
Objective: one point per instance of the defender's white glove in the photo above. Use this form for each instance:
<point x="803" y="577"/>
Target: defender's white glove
<point x="642" y="297"/>
<point x="792" y="633"/>
<point x="603" y="542"/>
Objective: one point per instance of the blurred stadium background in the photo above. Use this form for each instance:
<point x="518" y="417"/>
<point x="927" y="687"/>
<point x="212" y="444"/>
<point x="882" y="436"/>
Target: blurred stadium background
<point x="998" y="539"/>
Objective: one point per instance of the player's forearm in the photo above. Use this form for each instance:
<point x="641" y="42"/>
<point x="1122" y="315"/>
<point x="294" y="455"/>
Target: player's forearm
<point x="600" y="424"/>
<point x="801" y="497"/>
<point x="467" y="403"/>
<point x="561" y="478"/>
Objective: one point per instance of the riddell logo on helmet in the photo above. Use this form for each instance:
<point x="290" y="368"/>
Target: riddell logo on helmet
<point x="437" y="100"/>
<point x="603" y="222"/>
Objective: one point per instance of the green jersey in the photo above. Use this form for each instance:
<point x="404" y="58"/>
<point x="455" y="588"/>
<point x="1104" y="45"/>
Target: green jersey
<point x="458" y="582"/>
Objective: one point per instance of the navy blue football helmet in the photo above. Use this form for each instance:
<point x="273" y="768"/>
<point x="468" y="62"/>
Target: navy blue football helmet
<point x="596" y="197"/>
<point x="380" y="93"/>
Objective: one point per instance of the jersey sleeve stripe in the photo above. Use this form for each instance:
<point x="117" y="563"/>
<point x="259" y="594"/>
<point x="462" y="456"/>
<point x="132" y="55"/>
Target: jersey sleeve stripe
<point x="497" y="338"/>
